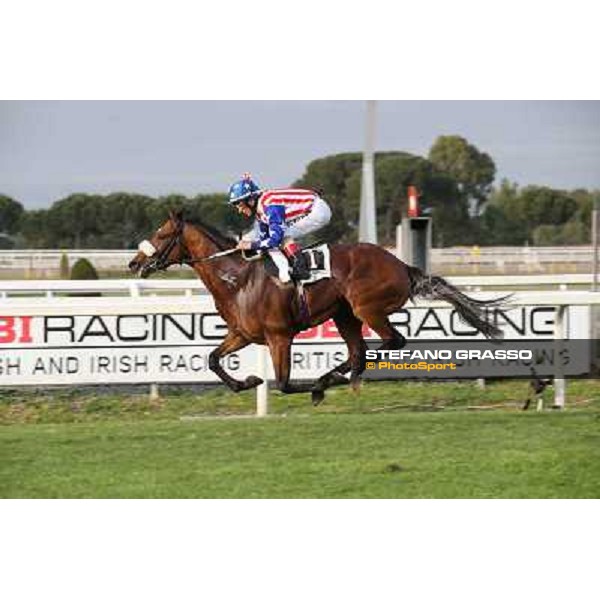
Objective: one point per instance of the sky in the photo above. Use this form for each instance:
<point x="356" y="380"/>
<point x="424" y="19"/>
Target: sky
<point x="50" y="149"/>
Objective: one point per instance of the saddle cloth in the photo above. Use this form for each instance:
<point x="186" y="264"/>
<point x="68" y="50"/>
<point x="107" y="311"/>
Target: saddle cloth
<point x="318" y="259"/>
<point x="319" y="262"/>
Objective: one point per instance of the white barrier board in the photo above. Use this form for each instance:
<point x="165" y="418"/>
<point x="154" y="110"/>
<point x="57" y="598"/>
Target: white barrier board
<point x="118" y="345"/>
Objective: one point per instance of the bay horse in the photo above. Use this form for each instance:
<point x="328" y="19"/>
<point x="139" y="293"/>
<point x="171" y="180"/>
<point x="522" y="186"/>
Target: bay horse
<point x="367" y="284"/>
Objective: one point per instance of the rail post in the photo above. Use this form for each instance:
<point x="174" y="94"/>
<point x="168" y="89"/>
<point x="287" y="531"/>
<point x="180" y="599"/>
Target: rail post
<point x="560" y="383"/>
<point x="262" y="391"/>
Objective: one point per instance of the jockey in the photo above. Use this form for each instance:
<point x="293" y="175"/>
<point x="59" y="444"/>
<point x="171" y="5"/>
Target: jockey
<point x="282" y="216"/>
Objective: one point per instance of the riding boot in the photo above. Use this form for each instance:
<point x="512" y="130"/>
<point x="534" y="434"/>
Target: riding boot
<point x="300" y="268"/>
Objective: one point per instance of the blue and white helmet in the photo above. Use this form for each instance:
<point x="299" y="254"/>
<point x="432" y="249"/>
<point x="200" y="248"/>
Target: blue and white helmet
<point x="243" y="189"/>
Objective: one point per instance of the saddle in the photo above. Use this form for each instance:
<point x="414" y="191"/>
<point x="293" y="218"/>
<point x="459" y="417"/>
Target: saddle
<point x="318" y="260"/>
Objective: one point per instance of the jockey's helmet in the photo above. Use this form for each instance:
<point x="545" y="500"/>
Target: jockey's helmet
<point x="245" y="189"/>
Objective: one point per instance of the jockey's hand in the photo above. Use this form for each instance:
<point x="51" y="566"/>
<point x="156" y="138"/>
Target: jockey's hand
<point x="244" y="245"/>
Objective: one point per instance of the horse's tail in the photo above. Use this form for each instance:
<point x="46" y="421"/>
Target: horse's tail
<point x="471" y="310"/>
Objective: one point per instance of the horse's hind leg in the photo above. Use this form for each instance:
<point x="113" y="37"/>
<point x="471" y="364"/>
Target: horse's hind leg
<point x="351" y="331"/>
<point x="380" y="324"/>
<point x="231" y="343"/>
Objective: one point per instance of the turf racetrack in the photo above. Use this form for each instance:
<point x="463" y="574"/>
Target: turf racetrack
<point x="310" y="453"/>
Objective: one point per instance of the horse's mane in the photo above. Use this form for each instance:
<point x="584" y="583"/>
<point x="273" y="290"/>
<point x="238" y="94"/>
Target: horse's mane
<point x="222" y="241"/>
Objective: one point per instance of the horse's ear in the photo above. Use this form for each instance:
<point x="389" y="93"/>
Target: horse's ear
<point x="176" y="215"/>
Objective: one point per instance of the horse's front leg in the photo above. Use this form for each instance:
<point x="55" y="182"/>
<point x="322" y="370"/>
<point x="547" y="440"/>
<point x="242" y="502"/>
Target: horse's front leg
<point x="280" y="349"/>
<point x="233" y="341"/>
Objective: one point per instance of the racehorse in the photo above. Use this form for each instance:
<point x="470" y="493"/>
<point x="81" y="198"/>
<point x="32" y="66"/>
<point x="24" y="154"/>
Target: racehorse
<point x="367" y="284"/>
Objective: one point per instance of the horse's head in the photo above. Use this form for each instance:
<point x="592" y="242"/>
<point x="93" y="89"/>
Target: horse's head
<point x="163" y="249"/>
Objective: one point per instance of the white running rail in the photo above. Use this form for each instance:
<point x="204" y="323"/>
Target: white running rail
<point x="136" y="287"/>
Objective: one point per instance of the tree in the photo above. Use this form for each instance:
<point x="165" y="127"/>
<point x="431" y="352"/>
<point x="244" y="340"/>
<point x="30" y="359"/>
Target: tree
<point x="329" y="176"/>
<point x="577" y="228"/>
<point x="473" y="171"/>
<point x="75" y="221"/>
<point x="35" y="229"/>
<point x="546" y="206"/>
<point x="212" y="209"/>
<point x="497" y="228"/>
<point x="501" y="222"/>
<point x="125" y="219"/>
<point x="535" y="214"/>
<point x="439" y="193"/>
<point x="215" y="210"/>
<point x="455" y="174"/>
<point x="571" y="233"/>
<point x="11" y="212"/>
<point x="338" y="179"/>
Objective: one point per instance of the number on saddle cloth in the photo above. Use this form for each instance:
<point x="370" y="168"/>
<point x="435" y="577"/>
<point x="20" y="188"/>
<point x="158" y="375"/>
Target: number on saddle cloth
<point x="315" y="258"/>
<point x="319" y="263"/>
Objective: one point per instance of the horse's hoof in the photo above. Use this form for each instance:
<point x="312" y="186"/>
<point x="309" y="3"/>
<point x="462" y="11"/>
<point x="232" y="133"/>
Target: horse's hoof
<point x="317" y="397"/>
<point x="337" y="379"/>
<point x="252" y="381"/>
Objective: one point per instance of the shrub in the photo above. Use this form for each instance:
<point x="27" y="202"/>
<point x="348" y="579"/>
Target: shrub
<point x="6" y="242"/>
<point x="83" y="269"/>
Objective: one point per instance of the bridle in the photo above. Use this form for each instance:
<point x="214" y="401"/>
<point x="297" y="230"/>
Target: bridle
<point x="160" y="259"/>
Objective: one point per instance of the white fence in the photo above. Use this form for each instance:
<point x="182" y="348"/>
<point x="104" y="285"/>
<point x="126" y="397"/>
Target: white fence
<point x="189" y="287"/>
<point x="48" y="261"/>
<point x="499" y="259"/>
<point x="540" y="254"/>
<point x="508" y="259"/>
<point x="119" y="287"/>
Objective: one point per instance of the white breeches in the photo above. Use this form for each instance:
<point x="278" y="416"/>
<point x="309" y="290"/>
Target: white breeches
<point x="318" y="217"/>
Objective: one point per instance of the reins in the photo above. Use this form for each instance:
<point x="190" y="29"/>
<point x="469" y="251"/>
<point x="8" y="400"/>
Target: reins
<point x="213" y="256"/>
<point x="161" y="261"/>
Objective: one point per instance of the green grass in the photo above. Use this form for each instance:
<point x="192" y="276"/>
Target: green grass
<point x="395" y="440"/>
